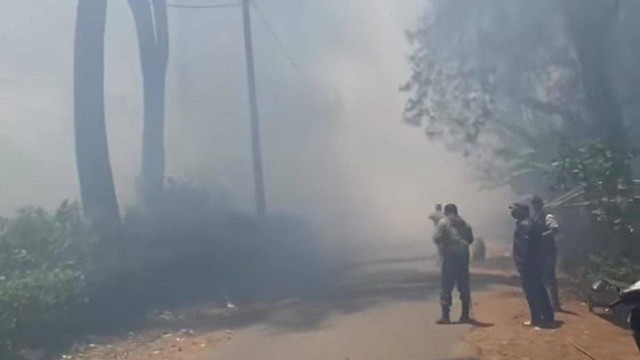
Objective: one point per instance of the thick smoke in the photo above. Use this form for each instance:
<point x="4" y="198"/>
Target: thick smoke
<point x="336" y="152"/>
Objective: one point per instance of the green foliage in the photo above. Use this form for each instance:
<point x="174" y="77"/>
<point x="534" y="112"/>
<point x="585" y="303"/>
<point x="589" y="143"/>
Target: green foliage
<point x="44" y="259"/>
<point x="477" y="87"/>
<point x="51" y="265"/>
<point x="598" y="166"/>
<point x="602" y="173"/>
<point x="621" y="270"/>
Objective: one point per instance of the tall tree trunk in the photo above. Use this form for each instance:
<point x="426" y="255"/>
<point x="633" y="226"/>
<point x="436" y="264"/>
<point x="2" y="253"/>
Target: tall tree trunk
<point x="92" y="151"/>
<point x="151" y="22"/>
<point x="589" y="24"/>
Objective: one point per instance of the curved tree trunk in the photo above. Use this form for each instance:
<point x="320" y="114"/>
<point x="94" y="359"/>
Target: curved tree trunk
<point x="151" y="22"/>
<point x="92" y="151"/>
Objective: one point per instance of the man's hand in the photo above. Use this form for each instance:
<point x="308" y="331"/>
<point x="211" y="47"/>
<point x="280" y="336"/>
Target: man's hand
<point x="549" y="233"/>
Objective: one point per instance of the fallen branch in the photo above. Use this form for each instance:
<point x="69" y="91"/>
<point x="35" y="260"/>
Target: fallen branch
<point x="583" y="351"/>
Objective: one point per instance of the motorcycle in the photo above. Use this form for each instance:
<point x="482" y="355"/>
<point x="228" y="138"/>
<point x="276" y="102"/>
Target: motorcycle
<point x="629" y="296"/>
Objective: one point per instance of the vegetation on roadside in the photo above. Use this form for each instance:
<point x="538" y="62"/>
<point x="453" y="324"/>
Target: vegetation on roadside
<point x="58" y="282"/>
<point x="608" y="207"/>
<point x="623" y="270"/>
<point x="44" y="261"/>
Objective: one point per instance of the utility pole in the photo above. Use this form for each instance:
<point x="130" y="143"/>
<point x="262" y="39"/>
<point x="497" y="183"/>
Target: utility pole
<point x="258" y="172"/>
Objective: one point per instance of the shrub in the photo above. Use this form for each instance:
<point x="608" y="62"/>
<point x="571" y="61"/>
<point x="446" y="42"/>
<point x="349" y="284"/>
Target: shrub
<point x="44" y="259"/>
<point x="191" y="247"/>
<point x="619" y="270"/>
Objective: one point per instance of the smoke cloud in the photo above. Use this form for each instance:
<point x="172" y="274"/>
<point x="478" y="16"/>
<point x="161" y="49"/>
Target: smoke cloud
<point x="336" y="151"/>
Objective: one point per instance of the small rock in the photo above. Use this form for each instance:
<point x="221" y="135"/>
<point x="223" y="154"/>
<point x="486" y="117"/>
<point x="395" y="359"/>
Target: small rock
<point x="31" y="354"/>
<point x="187" y="332"/>
<point x="167" y="315"/>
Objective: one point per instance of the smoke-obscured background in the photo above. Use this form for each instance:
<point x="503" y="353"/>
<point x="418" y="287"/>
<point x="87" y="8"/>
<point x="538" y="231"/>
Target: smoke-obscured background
<point x="335" y="149"/>
<point x="371" y="112"/>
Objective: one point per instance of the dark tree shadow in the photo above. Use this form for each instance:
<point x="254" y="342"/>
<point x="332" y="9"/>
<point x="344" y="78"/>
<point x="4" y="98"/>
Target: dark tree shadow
<point x="364" y="290"/>
<point x="370" y="284"/>
<point x="480" y="324"/>
<point x="568" y="312"/>
<point x="556" y="324"/>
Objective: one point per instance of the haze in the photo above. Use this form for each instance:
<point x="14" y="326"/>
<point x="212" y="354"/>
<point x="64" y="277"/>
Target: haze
<point x="336" y="150"/>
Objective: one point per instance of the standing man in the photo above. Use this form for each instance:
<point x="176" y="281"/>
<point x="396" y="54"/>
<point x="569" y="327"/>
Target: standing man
<point x="436" y="216"/>
<point x="527" y="253"/>
<point x="453" y="236"/>
<point x="548" y="227"/>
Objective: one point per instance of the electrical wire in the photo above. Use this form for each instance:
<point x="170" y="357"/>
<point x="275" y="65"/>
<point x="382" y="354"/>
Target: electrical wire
<point x="273" y="33"/>
<point x="261" y="13"/>
<point x="204" y="6"/>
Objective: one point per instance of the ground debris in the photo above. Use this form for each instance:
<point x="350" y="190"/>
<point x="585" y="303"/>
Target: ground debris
<point x="172" y="345"/>
<point x="31" y="354"/>
<point x="507" y="339"/>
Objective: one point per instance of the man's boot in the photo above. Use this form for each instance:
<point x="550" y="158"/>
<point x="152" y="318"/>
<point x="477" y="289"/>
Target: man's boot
<point x="444" y="320"/>
<point x="465" y="317"/>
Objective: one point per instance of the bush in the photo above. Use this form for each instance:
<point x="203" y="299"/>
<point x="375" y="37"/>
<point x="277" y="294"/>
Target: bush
<point x="195" y="244"/>
<point x="44" y="259"/>
<point x="55" y="281"/>
<point x="619" y="270"/>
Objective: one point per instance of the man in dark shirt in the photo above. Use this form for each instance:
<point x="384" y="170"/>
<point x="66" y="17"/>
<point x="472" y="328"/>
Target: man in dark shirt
<point x="548" y="227"/>
<point x="528" y="257"/>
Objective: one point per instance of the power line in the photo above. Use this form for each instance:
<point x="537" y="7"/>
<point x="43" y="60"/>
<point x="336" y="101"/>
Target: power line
<point x="258" y="172"/>
<point x="273" y="33"/>
<point x="204" y="6"/>
<point x="261" y="13"/>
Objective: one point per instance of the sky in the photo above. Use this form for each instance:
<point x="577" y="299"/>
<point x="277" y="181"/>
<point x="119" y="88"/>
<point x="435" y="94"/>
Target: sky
<point x="335" y="148"/>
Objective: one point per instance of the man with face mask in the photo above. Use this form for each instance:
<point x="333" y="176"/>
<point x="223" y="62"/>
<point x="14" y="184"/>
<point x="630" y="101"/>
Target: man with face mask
<point x="528" y="257"/>
<point x="548" y="227"/>
<point x="453" y="236"/>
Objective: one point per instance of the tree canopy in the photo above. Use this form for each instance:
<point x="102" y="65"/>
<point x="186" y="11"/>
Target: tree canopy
<point x="506" y="82"/>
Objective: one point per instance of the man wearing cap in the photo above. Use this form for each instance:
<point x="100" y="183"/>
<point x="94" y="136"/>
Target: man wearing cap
<point x="527" y="253"/>
<point x="547" y="225"/>
<point x="453" y="236"/>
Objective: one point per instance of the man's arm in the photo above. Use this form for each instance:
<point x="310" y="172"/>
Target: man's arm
<point x="439" y="233"/>
<point x="551" y="226"/>
<point x="470" y="235"/>
<point x="521" y="246"/>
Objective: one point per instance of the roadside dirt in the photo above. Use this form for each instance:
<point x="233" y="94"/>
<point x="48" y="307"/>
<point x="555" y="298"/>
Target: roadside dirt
<point x="580" y="335"/>
<point x="166" y="346"/>
<point x="377" y="313"/>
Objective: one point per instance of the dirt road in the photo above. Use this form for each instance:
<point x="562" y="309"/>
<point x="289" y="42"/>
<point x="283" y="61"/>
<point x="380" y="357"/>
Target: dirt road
<point x="398" y="331"/>
<point x="383" y="311"/>
<point x="378" y="309"/>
